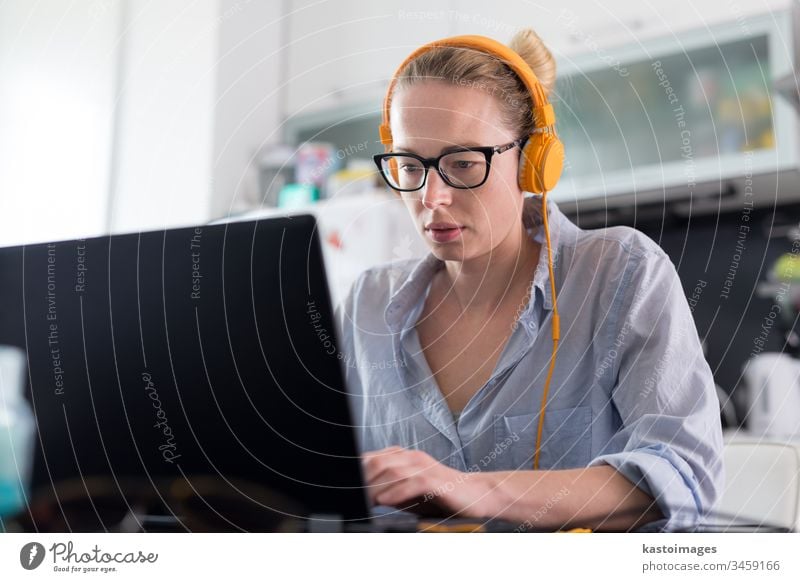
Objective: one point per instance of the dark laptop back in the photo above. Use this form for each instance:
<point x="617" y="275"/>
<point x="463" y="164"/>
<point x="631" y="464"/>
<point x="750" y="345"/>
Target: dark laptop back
<point x="165" y="356"/>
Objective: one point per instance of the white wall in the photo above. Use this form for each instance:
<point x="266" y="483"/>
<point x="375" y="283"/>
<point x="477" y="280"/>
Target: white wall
<point x="248" y="107"/>
<point x="107" y="116"/>
<point x="57" y="64"/>
<point x="164" y="145"/>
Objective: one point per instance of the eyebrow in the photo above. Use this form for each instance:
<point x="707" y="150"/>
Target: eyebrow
<point x="453" y="148"/>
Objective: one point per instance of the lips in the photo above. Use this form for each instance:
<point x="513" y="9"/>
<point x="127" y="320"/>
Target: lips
<point x="442" y="232"/>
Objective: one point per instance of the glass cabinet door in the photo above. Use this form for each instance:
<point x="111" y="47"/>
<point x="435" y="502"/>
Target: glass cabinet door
<point x="676" y="118"/>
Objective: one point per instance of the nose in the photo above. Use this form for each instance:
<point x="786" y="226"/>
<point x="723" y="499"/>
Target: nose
<point x="436" y="192"/>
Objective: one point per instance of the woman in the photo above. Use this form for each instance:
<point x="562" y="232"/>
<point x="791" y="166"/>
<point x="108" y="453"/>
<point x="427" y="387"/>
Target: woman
<point x="451" y="352"/>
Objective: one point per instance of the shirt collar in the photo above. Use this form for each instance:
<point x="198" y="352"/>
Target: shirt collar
<point x="558" y="225"/>
<point x="402" y="302"/>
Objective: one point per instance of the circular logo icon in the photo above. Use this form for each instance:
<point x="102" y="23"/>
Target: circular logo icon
<point x="31" y="555"/>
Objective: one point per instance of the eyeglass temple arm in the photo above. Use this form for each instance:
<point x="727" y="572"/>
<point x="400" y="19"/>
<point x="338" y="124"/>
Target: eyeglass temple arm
<point x="505" y="148"/>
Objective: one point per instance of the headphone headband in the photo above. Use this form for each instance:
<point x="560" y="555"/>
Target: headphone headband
<point x="543" y="114"/>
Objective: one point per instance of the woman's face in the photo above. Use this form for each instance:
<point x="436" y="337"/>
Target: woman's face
<point x="458" y="225"/>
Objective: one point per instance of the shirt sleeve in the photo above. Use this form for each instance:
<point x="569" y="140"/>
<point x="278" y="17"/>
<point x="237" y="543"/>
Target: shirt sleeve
<point x="670" y="442"/>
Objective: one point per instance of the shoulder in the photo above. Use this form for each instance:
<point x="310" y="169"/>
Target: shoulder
<point x="618" y="254"/>
<point x="613" y="243"/>
<point x="621" y="268"/>
<point x="617" y="242"/>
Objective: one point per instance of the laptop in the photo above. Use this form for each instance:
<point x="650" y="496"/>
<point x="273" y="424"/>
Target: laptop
<point x="188" y="377"/>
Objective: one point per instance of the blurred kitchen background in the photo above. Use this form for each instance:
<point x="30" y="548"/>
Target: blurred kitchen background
<point x="679" y="118"/>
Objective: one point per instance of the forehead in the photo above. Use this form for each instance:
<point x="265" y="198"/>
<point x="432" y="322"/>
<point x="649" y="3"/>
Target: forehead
<point x="433" y="115"/>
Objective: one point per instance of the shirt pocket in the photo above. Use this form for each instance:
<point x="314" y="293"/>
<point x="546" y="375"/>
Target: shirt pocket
<point x="566" y="439"/>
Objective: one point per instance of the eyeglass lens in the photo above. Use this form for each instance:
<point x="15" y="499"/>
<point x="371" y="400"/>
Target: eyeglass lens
<point x="459" y="169"/>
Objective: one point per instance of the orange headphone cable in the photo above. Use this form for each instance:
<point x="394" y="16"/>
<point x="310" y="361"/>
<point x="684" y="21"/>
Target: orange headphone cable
<point x="556" y="333"/>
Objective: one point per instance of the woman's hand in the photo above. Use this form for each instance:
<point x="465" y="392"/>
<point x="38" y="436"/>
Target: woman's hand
<point x="409" y="479"/>
<point x="597" y="497"/>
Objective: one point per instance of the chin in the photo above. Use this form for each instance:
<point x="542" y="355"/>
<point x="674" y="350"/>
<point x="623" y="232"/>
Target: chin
<point x="449" y="252"/>
<point x="447" y="255"/>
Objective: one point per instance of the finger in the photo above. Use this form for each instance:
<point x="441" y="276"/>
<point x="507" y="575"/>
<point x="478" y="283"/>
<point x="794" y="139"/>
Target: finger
<point x="380" y="452"/>
<point x="375" y="465"/>
<point x="370" y="457"/>
<point x="389" y="477"/>
<point x="402" y="492"/>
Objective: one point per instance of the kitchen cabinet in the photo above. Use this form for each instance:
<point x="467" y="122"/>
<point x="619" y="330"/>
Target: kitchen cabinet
<point x="679" y="115"/>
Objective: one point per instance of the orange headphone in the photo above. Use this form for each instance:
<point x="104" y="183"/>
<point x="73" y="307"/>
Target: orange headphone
<point x="540" y="163"/>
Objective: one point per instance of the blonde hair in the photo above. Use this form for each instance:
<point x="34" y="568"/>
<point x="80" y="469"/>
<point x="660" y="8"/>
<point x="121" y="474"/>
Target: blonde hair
<point x="478" y="69"/>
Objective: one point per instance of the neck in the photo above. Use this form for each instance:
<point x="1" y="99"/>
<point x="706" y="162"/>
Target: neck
<point x="481" y="284"/>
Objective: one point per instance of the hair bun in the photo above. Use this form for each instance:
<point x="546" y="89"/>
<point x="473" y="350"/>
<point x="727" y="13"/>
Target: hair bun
<point x="527" y="44"/>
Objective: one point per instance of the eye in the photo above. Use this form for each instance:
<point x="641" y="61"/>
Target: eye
<point x="410" y="168"/>
<point x="462" y="164"/>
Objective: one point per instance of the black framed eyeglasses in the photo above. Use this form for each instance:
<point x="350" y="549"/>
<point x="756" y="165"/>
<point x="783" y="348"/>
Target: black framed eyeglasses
<point x="463" y="168"/>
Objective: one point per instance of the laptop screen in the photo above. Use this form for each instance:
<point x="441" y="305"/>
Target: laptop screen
<point x="181" y="356"/>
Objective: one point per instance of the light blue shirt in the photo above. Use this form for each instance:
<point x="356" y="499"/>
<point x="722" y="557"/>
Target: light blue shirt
<point x="631" y="387"/>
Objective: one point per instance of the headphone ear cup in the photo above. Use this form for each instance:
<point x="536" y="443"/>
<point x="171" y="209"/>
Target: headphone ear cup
<point x="541" y="163"/>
